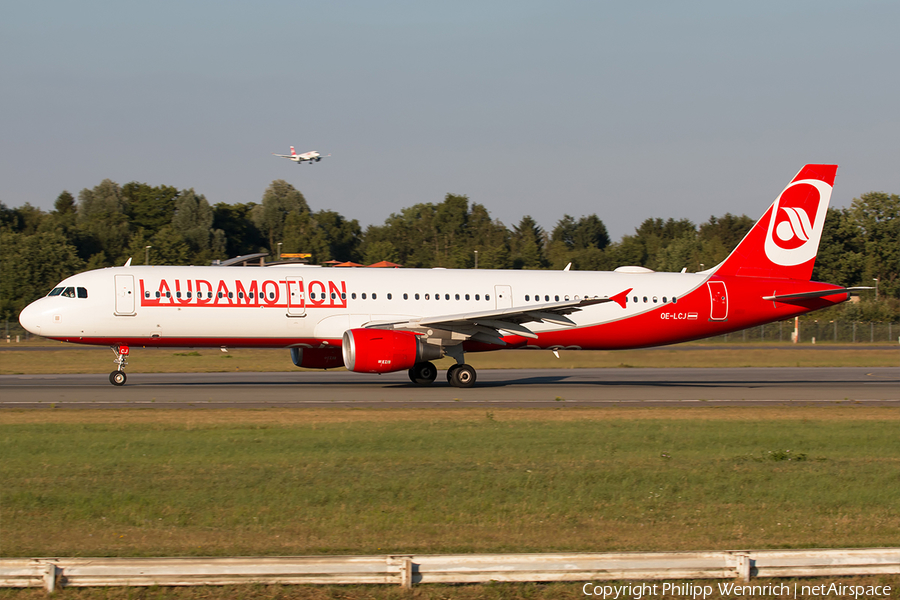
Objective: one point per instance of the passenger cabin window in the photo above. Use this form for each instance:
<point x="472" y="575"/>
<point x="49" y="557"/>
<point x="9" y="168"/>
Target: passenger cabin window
<point x="487" y="296"/>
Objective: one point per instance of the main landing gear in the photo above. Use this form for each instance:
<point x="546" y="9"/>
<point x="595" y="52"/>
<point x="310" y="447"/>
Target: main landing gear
<point x="459" y="375"/>
<point x="117" y="377"/>
<point x="423" y="373"/>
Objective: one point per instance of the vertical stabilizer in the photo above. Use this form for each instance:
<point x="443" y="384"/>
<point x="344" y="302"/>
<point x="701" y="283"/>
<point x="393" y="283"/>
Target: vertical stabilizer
<point x="784" y="242"/>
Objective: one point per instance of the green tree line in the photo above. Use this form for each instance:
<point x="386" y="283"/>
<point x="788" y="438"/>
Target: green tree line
<point x="110" y="223"/>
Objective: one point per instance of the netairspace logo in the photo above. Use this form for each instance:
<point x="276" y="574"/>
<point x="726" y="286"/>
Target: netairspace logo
<point x="691" y="590"/>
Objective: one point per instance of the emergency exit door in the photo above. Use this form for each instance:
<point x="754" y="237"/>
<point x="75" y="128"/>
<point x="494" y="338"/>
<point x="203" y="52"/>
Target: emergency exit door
<point x="718" y="300"/>
<point x="503" y="296"/>
<point x="296" y="297"/>
<point x="125" y="294"/>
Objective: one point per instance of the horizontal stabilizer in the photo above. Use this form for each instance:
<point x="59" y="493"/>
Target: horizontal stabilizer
<point x="816" y="294"/>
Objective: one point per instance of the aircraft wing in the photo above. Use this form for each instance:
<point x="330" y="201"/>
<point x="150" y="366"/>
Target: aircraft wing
<point x="282" y="155"/>
<point x="490" y="326"/>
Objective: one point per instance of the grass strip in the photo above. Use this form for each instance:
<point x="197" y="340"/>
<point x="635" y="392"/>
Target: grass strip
<point x="492" y="591"/>
<point x="344" y="481"/>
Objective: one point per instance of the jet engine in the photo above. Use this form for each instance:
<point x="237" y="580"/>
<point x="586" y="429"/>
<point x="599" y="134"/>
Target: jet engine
<point x="317" y="358"/>
<point x="385" y="350"/>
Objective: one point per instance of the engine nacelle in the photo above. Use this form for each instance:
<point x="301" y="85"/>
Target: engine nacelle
<point x="317" y="358"/>
<point x="385" y="350"/>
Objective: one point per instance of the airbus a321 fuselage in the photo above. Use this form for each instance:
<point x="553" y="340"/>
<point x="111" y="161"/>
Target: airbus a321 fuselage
<point x="384" y="320"/>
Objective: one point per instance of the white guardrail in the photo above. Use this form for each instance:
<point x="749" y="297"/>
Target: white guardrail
<point x="406" y="570"/>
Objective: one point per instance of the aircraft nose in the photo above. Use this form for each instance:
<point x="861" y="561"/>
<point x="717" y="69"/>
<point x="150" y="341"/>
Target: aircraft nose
<point x="29" y="318"/>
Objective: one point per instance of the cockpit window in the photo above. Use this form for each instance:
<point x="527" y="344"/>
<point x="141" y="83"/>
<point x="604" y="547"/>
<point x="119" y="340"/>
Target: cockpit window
<point x="82" y="292"/>
<point x="69" y="292"/>
<point x="55" y="291"/>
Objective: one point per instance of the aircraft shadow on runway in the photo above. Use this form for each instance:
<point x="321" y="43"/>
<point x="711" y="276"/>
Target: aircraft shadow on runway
<point x="564" y="380"/>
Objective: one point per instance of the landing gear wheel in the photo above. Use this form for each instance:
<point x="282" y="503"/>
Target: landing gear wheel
<point x="117" y="378"/>
<point x="463" y="376"/>
<point x="450" y="373"/>
<point x="423" y="373"/>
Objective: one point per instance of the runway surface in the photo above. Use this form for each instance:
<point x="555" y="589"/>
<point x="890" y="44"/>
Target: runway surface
<point x="512" y="388"/>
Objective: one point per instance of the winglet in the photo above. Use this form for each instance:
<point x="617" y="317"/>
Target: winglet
<point x="621" y="297"/>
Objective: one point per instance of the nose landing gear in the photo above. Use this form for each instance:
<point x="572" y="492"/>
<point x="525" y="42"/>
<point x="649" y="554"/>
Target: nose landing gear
<point x="117" y="377"/>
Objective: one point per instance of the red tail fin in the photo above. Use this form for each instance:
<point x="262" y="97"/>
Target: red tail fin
<point x="784" y="242"/>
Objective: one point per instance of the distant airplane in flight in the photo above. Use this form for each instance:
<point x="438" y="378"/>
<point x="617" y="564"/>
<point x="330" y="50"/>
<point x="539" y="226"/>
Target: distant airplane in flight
<point x="384" y="320"/>
<point x="311" y="156"/>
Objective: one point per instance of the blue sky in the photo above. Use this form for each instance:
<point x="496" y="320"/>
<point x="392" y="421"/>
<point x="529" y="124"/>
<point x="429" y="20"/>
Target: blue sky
<point x="628" y="110"/>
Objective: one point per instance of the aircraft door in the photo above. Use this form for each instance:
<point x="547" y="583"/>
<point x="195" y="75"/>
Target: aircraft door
<point x="296" y="297"/>
<point x="125" y="295"/>
<point x="718" y="300"/>
<point x="503" y="294"/>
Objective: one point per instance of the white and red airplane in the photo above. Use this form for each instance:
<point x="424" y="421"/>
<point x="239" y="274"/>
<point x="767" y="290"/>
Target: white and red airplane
<point x="311" y="156"/>
<point x="384" y="320"/>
